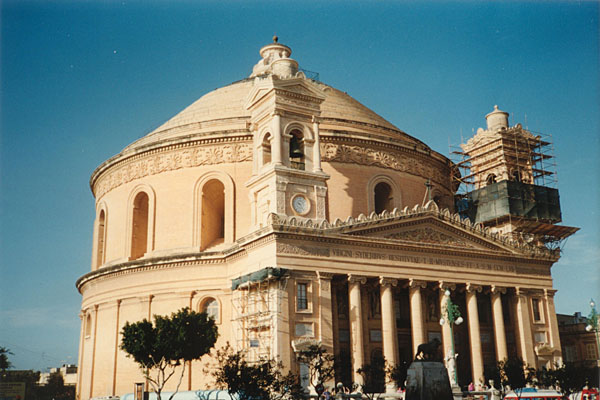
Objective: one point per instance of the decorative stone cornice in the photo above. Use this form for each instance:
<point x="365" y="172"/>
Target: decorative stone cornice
<point x="374" y="220"/>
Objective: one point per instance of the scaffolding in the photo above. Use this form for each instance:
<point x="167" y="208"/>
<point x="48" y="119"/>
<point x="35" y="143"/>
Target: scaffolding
<point x="257" y="311"/>
<point x="507" y="180"/>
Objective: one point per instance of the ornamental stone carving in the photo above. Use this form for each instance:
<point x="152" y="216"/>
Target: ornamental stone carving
<point x="396" y="160"/>
<point x="155" y="163"/>
<point x="429" y="235"/>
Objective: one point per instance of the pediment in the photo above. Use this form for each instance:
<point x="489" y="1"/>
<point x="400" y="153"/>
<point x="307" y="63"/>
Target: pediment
<point x="428" y="232"/>
<point x="294" y="87"/>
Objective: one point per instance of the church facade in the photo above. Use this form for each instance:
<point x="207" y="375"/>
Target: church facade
<point x="293" y="214"/>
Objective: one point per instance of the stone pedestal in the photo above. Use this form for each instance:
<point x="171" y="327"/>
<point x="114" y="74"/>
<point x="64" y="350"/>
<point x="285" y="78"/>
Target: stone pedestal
<point x="428" y="380"/>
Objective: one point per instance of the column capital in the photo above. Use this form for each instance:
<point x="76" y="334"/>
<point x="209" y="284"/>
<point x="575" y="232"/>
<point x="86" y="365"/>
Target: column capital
<point x="387" y="281"/>
<point x="447" y="285"/>
<point x="471" y="288"/>
<point x="324" y="275"/>
<point x="276" y="113"/>
<point x="549" y="292"/>
<point x="357" y="279"/>
<point x="519" y="291"/>
<point x="314" y="119"/>
<point x="412" y="283"/>
<point x="497" y="289"/>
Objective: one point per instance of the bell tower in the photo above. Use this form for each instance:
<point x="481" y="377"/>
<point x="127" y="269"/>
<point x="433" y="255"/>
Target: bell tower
<point x="509" y="177"/>
<point x="285" y="107"/>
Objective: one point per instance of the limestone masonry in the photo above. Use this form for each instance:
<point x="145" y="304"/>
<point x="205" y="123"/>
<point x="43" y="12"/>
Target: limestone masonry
<point x="293" y="214"/>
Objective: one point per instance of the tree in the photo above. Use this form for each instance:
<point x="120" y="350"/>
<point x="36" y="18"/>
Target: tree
<point x="373" y="378"/>
<point x="4" y="361"/>
<point x="262" y="380"/>
<point x="514" y="373"/>
<point x="55" y="388"/>
<point x="168" y="343"/>
<point x="397" y="373"/>
<point x="320" y="365"/>
<point x="569" y="377"/>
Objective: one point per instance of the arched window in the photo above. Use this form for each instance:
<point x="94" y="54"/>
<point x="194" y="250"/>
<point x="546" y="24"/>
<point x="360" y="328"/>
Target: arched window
<point x="139" y="230"/>
<point x="266" y="149"/>
<point x="211" y="307"/>
<point x="88" y="325"/>
<point x="101" y="239"/>
<point x="384" y="199"/>
<point x="491" y="178"/>
<point x="516" y="176"/>
<point x="297" y="149"/>
<point x="213" y="214"/>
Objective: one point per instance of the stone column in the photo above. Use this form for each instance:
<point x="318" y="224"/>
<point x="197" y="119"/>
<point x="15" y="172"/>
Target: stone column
<point x="416" y="313"/>
<point x="81" y="344"/>
<point x="388" y="325"/>
<point x="498" y="316"/>
<point x="474" y="333"/>
<point x="276" y="139"/>
<point x="356" y="326"/>
<point x="325" y="311"/>
<point x="446" y="333"/>
<point x="93" y="351"/>
<point x="114" y="378"/>
<point x="316" y="146"/>
<point x="524" y="328"/>
<point x="553" y="324"/>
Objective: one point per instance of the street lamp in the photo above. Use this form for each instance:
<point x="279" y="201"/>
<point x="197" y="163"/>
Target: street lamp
<point x="593" y="323"/>
<point x="452" y="317"/>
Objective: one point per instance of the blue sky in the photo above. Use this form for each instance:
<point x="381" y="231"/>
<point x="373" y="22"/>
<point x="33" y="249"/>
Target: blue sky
<point x="81" y="80"/>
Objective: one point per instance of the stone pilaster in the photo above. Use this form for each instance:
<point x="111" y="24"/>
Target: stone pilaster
<point x="498" y="317"/>
<point x="416" y="313"/>
<point x="316" y="146"/>
<point x="474" y="332"/>
<point x="356" y="325"/>
<point x="388" y="325"/>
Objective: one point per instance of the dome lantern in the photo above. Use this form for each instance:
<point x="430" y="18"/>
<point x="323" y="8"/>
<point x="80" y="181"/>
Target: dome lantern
<point x="275" y="60"/>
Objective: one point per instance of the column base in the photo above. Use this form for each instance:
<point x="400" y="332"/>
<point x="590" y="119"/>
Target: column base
<point x="457" y="393"/>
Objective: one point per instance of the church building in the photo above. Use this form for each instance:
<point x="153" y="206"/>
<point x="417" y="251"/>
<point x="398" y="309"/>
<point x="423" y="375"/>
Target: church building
<point x="293" y="215"/>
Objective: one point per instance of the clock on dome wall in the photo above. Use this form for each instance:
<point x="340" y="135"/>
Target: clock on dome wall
<point x="300" y="204"/>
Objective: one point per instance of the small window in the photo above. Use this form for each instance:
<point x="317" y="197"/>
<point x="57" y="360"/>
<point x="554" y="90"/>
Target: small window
<point x="266" y="149"/>
<point x="591" y="351"/>
<point x="302" y="297"/>
<point x="100" y="240"/>
<point x="570" y="353"/>
<point x="537" y="315"/>
<point x="139" y="232"/>
<point x="375" y="335"/>
<point x="516" y="176"/>
<point x="296" y="150"/>
<point x="491" y="179"/>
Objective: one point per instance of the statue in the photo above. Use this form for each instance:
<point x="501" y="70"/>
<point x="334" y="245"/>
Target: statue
<point x="428" y="351"/>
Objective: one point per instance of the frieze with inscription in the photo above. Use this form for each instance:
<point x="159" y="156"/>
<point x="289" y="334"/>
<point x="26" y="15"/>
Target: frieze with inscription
<point x="286" y="248"/>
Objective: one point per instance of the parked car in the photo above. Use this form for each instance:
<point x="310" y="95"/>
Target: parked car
<point x="534" y="394"/>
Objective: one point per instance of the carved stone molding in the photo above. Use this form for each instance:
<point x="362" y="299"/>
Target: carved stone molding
<point x="158" y="162"/>
<point x="429" y="235"/>
<point x="399" y="161"/>
<point x="357" y="279"/>
<point x="388" y="281"/>
<point x="549" y="293"/>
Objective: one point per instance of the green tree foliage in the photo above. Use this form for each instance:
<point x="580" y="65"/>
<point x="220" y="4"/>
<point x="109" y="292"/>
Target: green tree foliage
<point x="373" y="378"/>
<point x="397" y="373"/>
<point x="160" y="347"/>
<point x="55" y="389"/>
<point x="4" y="361"/>
<point x="569" y="377"/>
<point x="30" y="378"/>
<point x="514" y="373"/>
<point x="254" y="381"/>
<point x="320" y="366"/>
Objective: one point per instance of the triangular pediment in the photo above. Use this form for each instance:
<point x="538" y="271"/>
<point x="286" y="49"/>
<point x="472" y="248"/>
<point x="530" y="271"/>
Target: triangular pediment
<point x="427" y="232"/>
<point x="291" y="87"/>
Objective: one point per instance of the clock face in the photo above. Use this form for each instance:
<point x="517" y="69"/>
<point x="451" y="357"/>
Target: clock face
<point x="300" y="204"/>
